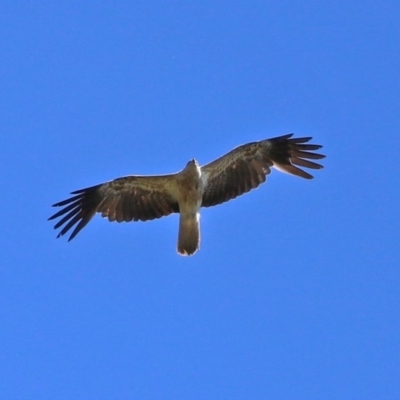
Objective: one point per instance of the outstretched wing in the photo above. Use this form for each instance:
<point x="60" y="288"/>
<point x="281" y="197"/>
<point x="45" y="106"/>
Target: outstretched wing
<point x="246" y="167"/>
<point x="123" y="199"/>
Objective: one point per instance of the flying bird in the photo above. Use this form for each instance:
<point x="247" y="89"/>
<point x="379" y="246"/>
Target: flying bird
<point x="135" y="197"/>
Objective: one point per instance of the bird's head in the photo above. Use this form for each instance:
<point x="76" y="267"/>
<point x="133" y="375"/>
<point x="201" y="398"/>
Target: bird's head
<point x="192" y="167"/>
<point x="192" y="162"/>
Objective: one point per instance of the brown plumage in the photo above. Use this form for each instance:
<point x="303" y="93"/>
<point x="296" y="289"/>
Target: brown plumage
<point x="134" y="198"/>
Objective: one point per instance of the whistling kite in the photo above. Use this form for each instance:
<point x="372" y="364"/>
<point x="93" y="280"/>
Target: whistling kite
<point x="134" y="198"/>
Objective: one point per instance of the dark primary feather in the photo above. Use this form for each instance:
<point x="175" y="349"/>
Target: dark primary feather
<point x="124" y="199"/>
<point x="246" y="167"/>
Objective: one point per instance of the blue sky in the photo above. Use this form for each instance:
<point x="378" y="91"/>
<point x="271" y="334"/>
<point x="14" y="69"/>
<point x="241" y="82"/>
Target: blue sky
<point x="295" y="291"/>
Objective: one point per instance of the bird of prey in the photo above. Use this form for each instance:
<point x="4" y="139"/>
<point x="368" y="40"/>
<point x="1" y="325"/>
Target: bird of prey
<point x="135" y="197"/>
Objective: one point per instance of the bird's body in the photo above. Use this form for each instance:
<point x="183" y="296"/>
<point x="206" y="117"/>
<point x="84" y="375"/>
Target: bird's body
<point x="134" y="198"/>
<point x="190" y="190"/>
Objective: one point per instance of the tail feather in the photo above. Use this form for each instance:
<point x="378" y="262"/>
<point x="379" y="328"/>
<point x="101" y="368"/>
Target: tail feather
<point x="189" y="234"/>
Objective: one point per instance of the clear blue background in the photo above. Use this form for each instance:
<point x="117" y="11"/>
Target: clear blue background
<point x="295" y="291"/>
